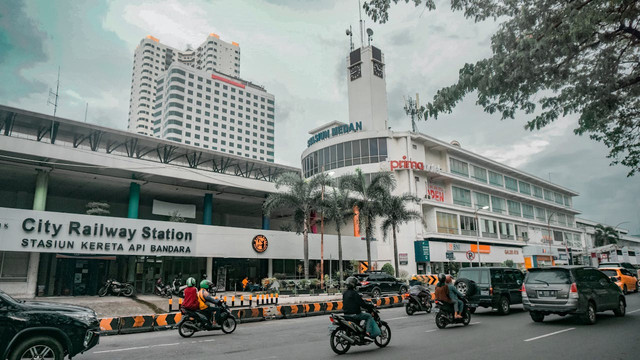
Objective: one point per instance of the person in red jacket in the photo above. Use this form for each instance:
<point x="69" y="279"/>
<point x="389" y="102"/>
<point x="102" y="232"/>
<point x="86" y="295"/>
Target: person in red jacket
<point x="190" y="301"/>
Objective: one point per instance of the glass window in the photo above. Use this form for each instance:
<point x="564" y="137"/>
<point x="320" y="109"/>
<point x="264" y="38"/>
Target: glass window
<point x="333" y="155"/>
<point x="477" y="276"/>
<point x="550" y="276"/>
<point x="540" y="214"/>
<point x="461" y="196"/>
<point x="356" y="149"/>
<point x="482" y="200"/>
<point x="567" y="201"/>
<point x="479" y="173"/>
<point x="14" y="265"/>
<point x="562" y="219"/>
<point x="459" y="167"/>
<point x="537" y="191"/>
<point x="382" y="147"/>
<point x="548" y="195"/>
<point x="348" y="156"/>
<point x="468" y="225"/>
<point x="514" y="208"/>
<point x="522" y="233"/>
<point x="488" y="228"/>
<point x="495" y="179"/>
<point x="373" y="147"/>
<point x="364" y="147"/>
<point x="525" y="188"/>
<point x="447" y="223"/>
<point x="559" y="198"/>
<point x="511" y="183"/>
<point x="497" y="205"/>
<point x="506" y="231"/>
<point x="527" y="211"/>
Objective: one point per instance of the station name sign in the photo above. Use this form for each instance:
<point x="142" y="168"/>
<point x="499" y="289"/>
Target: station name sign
<point x="334" y="131"/>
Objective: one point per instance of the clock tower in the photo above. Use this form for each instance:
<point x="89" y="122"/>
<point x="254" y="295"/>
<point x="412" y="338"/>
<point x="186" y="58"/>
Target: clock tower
<point x="367" y="88"/>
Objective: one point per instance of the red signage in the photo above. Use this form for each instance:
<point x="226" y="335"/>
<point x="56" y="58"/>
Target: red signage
<point x="216" y="77"/>
<point x="406" y="164"/>
<point x="436" y="193"/>
<point x="511" y="252"/>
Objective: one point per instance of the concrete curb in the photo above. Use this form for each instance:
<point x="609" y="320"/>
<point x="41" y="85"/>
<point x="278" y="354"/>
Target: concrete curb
<point x="145" y="323"/>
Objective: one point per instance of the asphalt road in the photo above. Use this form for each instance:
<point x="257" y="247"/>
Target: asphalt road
<point x="489" y="336"/>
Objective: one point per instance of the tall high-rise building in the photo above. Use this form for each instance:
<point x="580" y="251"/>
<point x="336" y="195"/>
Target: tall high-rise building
<point x="153" y="58"/>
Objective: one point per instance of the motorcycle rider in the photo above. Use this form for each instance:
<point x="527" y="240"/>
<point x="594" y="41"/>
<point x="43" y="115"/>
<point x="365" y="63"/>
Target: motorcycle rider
<point x="190" y="301"/>
<point x="352" y="302"/>
<point x="207" y="304"/>
<point x="455" y="296"/>
<point x="418" y="289"/>
<point x="442" y="290"/>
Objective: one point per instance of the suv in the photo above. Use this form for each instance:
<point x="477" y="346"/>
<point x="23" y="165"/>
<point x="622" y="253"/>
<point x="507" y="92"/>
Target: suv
<point x="562" y="290"/>
<point x="375" y="283"/>
<point x="495" y="287"/>
<point x="50" y="330"/>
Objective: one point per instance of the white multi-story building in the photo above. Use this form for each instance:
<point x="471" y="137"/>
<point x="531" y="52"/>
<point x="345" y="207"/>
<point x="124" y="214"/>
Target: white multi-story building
<point x="152" y="58"/>
<point x="474" y="208"/>
<point x="215" y="111"/>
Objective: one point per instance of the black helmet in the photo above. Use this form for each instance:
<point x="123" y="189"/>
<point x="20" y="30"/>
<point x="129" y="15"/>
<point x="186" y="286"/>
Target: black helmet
<point x="442" y="278"/>
<point x="351" y="282"/>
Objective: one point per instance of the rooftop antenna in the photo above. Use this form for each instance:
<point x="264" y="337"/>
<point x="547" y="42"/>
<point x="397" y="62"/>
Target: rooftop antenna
<point x="369" y="35"/>
<point x="53" y="96"/>
<point x="350" y="35"/>
<point x="415" y="112"/>
<point x="86" y="109"/>
<point x="361" y="25"/>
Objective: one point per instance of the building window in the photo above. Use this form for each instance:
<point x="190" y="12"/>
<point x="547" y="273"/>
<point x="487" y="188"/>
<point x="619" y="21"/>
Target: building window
<point x="482" y="200"/>
<point x="468" y="225"/>
<point x="447" y="223"/>
<point x="537" y="191"/>
<point x="461" y="196"/>
<point x="506" y="231"/>
<point x="527" y="211"/>
<point x="514" y="208"/>
<point x="525" y="188"/>
<point x="522" y="233"/>
<point x="479" y="173"/>
<point x="511" y="183"/>
<point x="488" y="228"/>
<point x="567" y="202"/>
<point x="548" y="195"/>
<point x="497" y="205"/>
<point x="540" y="214"/>
<point x="459" y="167"/>
<point x="495" y="179"/>
<point x="14" y="265"/>
<point x="559" y="198"/>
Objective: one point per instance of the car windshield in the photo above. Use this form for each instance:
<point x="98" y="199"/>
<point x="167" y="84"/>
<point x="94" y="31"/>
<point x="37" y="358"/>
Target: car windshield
<point x="610" y="272"/>
<point x="4" y="296"/>
<point x="550" y="276"/>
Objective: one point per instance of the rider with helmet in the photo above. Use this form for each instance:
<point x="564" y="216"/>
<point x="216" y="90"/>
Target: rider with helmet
<point x="191" y="296"/>
<point x="352" y="302"/>
<point x="207" y="302"/>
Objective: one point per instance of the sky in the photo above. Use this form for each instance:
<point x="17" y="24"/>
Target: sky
<point x="297" y="49"/>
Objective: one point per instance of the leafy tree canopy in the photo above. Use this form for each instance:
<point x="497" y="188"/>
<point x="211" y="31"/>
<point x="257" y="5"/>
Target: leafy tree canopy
<point x="553" y="58"/>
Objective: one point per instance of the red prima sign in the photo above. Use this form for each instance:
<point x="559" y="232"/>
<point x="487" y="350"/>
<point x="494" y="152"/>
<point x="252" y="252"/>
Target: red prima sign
<point x="406" y="164"/>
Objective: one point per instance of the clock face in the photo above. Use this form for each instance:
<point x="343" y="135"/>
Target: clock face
<point x="378" y="69"/>
<point x="355" y="72"/>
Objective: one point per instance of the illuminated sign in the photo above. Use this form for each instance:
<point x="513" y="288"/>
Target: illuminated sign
<point x="334" y="131"/>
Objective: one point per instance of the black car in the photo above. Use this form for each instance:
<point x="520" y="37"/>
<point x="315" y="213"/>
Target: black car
<point x="495" y="287"/>
<point x="562" y="290"/>
<point x="376" y="283"/>
<point x="52" y="331"/>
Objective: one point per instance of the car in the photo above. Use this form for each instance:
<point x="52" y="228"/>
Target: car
<point x="50" y="330"/>
<point x="576" y="290"/>
<point x="494" y="287"/>
<point x="623" y="278"/>
<point x="629" y="266"/>
<point x="376" y="283"/>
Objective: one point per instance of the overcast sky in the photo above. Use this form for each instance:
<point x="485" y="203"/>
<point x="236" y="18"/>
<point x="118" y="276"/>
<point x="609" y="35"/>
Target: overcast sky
<point x="297" y="50"/>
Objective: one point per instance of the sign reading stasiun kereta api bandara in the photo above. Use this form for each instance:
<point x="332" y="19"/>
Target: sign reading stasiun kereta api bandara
<point x="40" y="231"/>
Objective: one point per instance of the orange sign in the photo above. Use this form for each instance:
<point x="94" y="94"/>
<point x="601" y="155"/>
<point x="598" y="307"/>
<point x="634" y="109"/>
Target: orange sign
<point x="260" y="243"/>
<point x="484" y="249"/>
<point x="364" y="266"/>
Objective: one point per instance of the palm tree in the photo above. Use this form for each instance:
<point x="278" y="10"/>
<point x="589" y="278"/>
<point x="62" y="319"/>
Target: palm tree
<point x="302" y="197"/>
<point x="606" y="235"/>
<point x="395" y="213"/>
<point x="338" y="209"/>
<point x="369" y="199"/>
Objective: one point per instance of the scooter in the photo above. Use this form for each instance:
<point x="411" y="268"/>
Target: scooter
<point x="445" y="314"/>
<point x="193" y="322"/>
<point x="176" y="286"/>
<point x="116" y="288"/>
<point x="417" y="299"/>
<point x="344" y="332"/>
<point x="161" y="289"/>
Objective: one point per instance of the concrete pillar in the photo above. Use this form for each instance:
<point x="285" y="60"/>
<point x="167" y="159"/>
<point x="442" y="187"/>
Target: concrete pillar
<point x="39" y="203"/>
<point x="207" y="212"/>
<point x="270" y="268"/>
<point x="134" y="200"/>
<point x="210" y="269"/>
<point x="131" y="269"/>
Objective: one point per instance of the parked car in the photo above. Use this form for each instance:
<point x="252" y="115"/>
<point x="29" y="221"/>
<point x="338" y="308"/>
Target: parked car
<point x="376" y="283"/>
<point x="623" y="278"/>
<point x="634" y="269"/>
<point x="53" y="331"/>
<point x="562" y="290"/>
<point x="495" y="287"/>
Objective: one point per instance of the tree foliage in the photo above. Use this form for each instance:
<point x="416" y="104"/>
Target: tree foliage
<point x="338" y="209"/>
<point x="394" y="214"/>
<point x="605" y="235"/>
<point x="551" y="59"/>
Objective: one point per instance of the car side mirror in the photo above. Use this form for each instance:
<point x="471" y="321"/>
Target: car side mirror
<point x="519" y="282"/>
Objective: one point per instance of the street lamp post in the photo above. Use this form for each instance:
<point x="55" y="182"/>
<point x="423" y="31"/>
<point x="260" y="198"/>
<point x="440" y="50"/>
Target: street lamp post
<point x="475" y="214"/>
<point x="550" y="235"/>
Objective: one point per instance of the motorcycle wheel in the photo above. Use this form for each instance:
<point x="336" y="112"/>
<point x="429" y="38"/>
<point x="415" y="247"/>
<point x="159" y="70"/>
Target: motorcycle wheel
<point x="410" y="309"/>
<point x="441" y="321"/>
<point x="127" y="290"/>
<point x="103" y="291"/>
<point x="229" y="325"/>
<point x="429" y="307"/>
<point x="385" y="336"/>
<point x="466" y="318"/>
<point x="157" y="292"/>
<point x="338" y="345"/>
<point x="187" y="329"/>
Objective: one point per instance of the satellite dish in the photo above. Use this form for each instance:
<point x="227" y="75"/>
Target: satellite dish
<point x="369" y="32"/>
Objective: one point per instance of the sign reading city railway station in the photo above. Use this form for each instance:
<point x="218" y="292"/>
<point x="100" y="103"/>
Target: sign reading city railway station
<point x="26" y="230"/>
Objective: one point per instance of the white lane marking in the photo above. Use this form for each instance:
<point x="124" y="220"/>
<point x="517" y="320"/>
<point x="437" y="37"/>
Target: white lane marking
<point x="475" y="323"/>
<point x="398" y="318"/>
<point x="208" y="340"/>
<point x="166" y="344"/>
<point x="551" y="334"/>
<point x="432" y="330"/>
<point x="631" y="312"/>
<point x="125" y="349"/>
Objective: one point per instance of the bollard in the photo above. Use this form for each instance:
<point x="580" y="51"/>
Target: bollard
<point x="225" y="300"/>
<point x="233" y="301"/>
<point x="259" y="299"/>
<point x="241" y="300"/>
<point x="250" y="300"/>
<point x="270" y="298"/>
<point x="179" y="303"/>
<point x="277" y="296"/>
<point x="170" y="304"/>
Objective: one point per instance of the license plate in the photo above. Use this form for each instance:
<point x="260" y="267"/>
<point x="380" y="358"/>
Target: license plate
<point x="546" y="293"/>
<point x="484" y="292"/>
<point x="332" y="328"/>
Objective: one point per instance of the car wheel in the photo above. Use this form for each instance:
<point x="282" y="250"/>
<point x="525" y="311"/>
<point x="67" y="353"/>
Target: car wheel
<point x="375" y="293"/>
<point x="622" y="308"/>
<point x="466" y="287"/>
<point x="536" y="316"/>
<point x="403" y="289"/>
<point x="589" y="317"/>
<point x="624" y="290"/>
<point x="39" y="347"/>
<point x="504" y="307"/>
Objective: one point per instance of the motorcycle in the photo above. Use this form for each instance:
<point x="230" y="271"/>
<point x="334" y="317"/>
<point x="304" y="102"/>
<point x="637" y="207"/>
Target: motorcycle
<point x="161" y="289"/>
<point x="417" y="299"/>
<point x="193" y="322"/>
<point x="176" y="287"/>
<point x="445" y="314"/>
<point x="116" y="288"/>
<point x="345" y="333"/>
